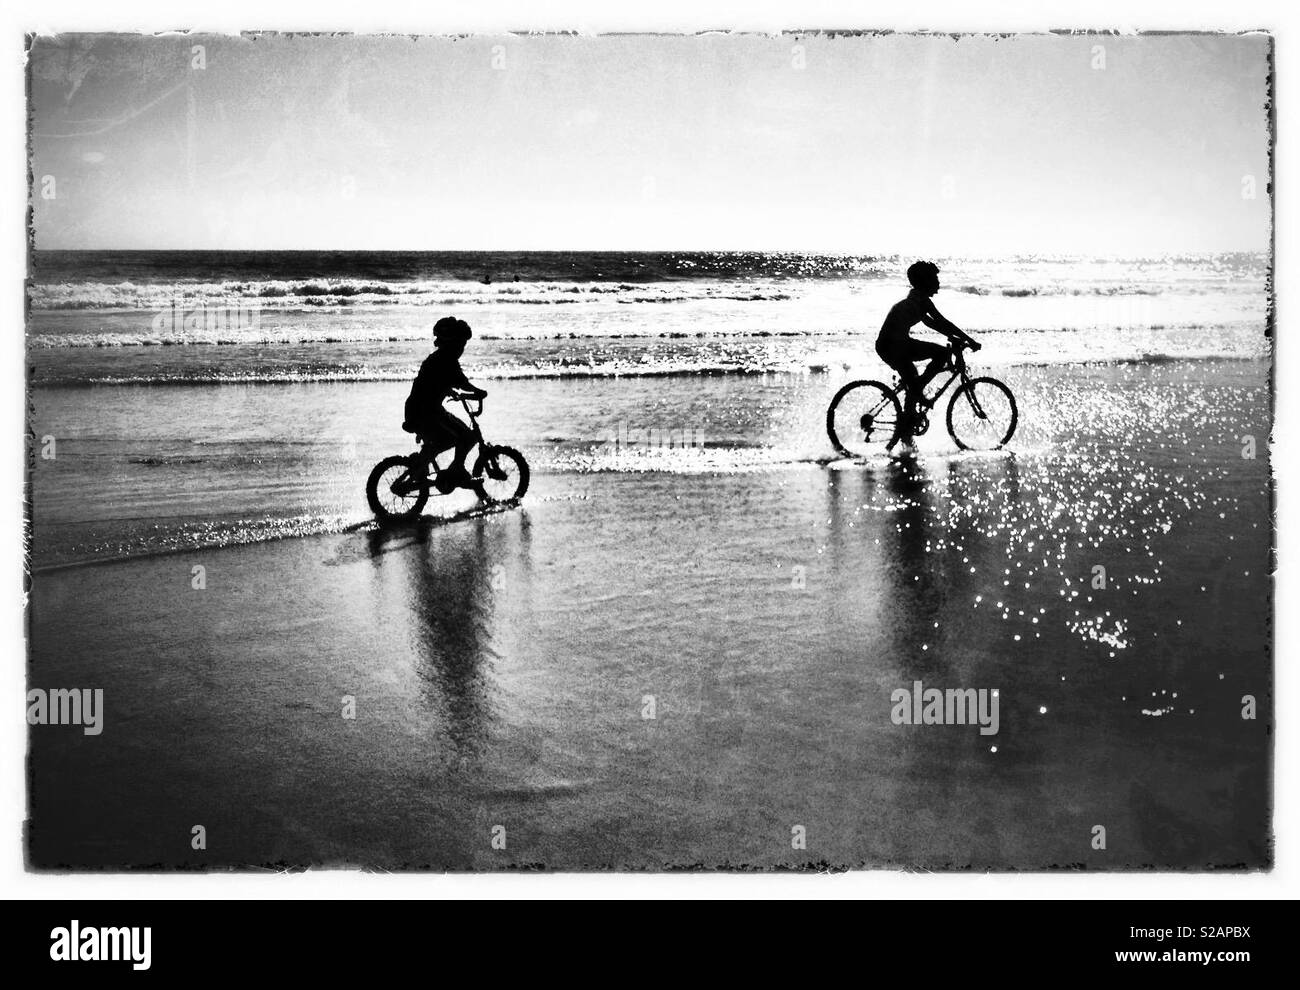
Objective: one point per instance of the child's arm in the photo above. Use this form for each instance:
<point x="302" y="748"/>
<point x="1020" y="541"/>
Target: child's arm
<point x="935" y="320"/>
<point x="465" y="385"/>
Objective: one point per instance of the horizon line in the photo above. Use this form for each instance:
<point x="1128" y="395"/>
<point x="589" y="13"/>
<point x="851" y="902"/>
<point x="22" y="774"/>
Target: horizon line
<point x="683" y="250"/>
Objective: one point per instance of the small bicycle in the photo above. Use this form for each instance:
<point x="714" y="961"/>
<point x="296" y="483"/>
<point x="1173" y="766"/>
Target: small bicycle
<point x="866" y="417"/>
<point x="399" y="486"/>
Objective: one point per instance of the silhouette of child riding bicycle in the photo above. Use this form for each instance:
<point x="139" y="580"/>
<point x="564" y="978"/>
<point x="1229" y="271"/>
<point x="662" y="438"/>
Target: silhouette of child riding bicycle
<point x="867" y="416"/>
<point x="400" y="486"/>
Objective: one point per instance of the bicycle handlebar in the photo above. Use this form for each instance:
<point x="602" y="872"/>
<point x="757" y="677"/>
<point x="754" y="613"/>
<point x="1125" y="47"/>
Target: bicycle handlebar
<point x="466" y="399"/>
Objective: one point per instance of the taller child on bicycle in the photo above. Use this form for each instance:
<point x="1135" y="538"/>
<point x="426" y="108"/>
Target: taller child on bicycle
<point x="898" y="349"/>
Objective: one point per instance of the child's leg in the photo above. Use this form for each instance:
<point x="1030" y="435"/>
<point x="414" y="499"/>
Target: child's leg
<point x="423" y="459"/>
<point x="912" y="387"/>
<point x="463" y="446"/>
<point x="456" y="433"/>
<point x="913" y="383"/>
<point x="899" y="357"/>
<point x="936" y="354"/>
<point x="438" y="436"/>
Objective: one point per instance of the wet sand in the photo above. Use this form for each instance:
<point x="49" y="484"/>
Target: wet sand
<point x="503" y="665"/>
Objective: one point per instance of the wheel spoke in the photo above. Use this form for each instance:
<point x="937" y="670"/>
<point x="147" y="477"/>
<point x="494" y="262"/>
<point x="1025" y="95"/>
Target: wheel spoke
<point x="396" y="492"/>
<point x="982" y="415"/>
<point x="400" y="493"/>
<point x="862" y="419"/>
<point x="511" y="472"/>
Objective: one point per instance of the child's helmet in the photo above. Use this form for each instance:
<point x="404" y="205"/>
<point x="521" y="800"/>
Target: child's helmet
<point x="450" y="328"/>
<point x="921" y="272"/>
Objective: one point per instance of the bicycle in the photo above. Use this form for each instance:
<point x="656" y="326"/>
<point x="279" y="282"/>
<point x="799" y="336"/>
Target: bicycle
<point x="398" y="489"/>
<point x="867" y="416"/>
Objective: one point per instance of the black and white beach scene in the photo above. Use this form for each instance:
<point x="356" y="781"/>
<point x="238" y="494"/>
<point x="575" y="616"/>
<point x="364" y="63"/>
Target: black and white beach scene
<point x="648" y="452"/>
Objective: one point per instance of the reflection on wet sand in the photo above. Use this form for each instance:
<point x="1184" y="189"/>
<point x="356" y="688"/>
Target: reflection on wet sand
<point x="449" y="579"/>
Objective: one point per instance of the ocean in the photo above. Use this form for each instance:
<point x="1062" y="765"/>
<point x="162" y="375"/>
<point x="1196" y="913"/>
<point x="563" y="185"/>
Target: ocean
<point x="105" y="317"/>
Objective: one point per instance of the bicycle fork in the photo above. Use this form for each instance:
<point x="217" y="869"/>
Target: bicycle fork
<point x="975" y="403"/>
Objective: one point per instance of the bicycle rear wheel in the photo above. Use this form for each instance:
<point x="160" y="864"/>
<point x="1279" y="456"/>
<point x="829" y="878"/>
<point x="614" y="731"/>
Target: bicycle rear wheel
<point x="863" y="419"/>
<point x="982" y="414"/>
<point x="394" y="493"/>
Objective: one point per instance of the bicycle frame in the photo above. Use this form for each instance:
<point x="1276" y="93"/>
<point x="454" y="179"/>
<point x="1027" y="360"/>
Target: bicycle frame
<point x="881" y="409"/>
<point x="473" y="424"/>
<point x="473" y="418"/>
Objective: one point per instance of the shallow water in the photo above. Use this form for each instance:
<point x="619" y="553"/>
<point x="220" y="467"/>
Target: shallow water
<point x="155" y="467"/>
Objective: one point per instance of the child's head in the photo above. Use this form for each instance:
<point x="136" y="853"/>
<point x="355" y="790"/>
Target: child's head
<point x="924" y="275"/>
<point x="451" y="334"/>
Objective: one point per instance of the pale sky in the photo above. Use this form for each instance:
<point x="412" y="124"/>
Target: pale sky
<point x="868" y="144"/>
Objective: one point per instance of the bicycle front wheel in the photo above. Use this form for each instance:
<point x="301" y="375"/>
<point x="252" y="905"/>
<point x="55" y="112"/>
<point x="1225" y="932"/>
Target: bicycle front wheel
<point x="863" y="419"/>
<point x="502" y="475"/>
<point x="982" y="414"/>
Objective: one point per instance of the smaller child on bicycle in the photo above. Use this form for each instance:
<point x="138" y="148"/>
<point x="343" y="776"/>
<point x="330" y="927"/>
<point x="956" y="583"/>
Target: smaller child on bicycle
<point x="441" y="377"/>
<point x="898" y="349"/>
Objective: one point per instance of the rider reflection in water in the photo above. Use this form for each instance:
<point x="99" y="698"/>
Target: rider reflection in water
<point x="900" y="351"/>
<point x="441" y="377"/>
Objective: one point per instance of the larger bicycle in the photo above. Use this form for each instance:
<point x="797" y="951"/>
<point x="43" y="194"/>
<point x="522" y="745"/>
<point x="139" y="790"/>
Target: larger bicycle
<point x="866" y="417"/>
